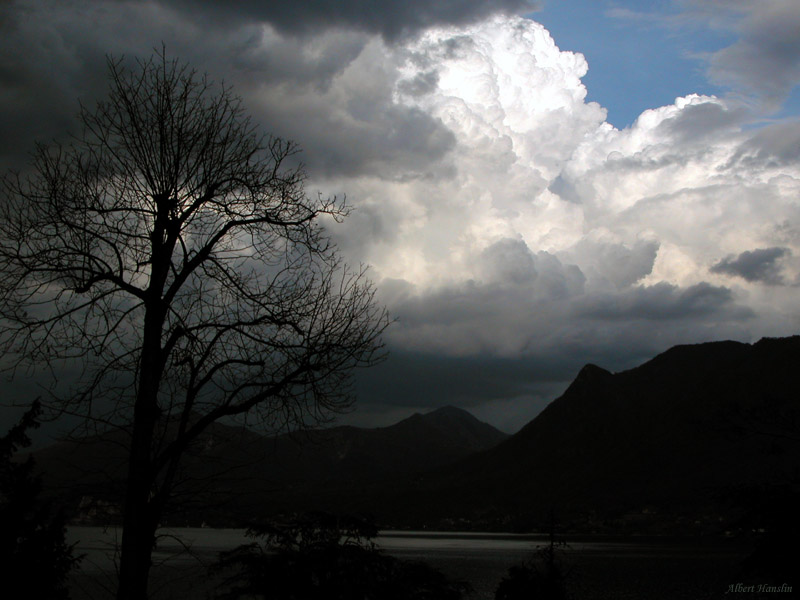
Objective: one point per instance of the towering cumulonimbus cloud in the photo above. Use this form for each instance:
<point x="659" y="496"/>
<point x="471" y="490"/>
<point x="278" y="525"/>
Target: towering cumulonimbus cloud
<point x="543" y="222"/>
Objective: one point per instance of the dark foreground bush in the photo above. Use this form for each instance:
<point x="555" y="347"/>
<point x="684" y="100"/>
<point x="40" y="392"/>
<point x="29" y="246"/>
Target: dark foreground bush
<point x="324" y="557"/>
<point x="772" y="511"/>
<point x="33" y="554"/>
<point x="544" y="577"/>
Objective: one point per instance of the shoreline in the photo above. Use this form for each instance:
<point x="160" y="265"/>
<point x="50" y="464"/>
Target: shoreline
<point x="658" y="568"/>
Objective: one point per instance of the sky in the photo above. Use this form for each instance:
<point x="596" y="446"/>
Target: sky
<point x="536" y="186"/>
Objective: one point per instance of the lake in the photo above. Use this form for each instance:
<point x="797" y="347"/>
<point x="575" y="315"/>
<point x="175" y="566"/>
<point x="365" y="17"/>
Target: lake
<point x="600" y="567"/>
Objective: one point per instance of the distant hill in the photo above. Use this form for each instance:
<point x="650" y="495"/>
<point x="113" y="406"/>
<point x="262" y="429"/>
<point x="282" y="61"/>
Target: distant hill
<point x="671" y="441"/>
<point x="232" y="473"/>
<point x="351" y="454"/>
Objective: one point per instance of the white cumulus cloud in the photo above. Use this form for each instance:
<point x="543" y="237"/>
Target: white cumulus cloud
<point x="542" y="220"/>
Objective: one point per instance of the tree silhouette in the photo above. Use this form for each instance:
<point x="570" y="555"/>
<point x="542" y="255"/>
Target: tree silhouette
<point x="544" y="577"/>
<point x="171" y="252"/>
<point x="34" y="556"/>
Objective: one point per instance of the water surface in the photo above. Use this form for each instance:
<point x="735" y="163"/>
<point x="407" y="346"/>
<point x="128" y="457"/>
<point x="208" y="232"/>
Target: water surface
<point x="600" y="567"/>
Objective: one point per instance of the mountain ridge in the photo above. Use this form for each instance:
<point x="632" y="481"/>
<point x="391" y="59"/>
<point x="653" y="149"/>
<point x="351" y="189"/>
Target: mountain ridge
<point x="674" y="434"/>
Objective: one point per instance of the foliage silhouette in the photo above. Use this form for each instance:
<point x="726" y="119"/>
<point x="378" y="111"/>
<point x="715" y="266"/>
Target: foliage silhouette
<point x="171" y="254"/>
<point x="769" y="509"/>
<point x="544" y="577"/>
<point x="324" y="557"/>
<point x="770" y="513"/>
<point x="34" y="556"/>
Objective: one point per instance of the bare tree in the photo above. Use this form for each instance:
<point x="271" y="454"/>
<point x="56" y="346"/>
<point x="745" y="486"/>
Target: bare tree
<point x="171" y="251"/>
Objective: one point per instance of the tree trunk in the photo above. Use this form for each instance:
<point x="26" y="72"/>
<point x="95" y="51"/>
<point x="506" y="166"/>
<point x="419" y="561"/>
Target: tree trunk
<point x="140" y="517"/>
<point x="135" y="558"/>
<point x="138" y="523"/>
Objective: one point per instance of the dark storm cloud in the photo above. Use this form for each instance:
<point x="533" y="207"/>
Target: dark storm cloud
<point x="514" y="283"/>
<point x="43" y="72"/>
<point x="556" y="337"/>
<point x="390" y="18"/>
<point x="418" y="379"/>
<point x="761" y="265"/>
<point x="53" y="55"/>
<point x="532" y="320"/>
<point x="395" y="143"/>
<point x="663" y="301"/>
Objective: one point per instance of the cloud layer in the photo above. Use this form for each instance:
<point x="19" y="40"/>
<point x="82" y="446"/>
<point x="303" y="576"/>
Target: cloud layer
<point x="390" y="18"/>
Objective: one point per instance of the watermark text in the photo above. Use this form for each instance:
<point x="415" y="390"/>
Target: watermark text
<point x="758" y="588"/>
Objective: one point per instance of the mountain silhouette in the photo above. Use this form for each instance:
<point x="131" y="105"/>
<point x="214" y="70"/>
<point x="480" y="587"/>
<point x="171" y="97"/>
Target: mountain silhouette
<point x="676" y="438"/>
